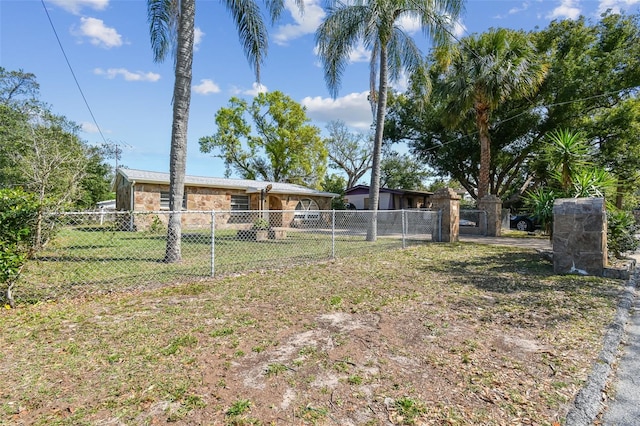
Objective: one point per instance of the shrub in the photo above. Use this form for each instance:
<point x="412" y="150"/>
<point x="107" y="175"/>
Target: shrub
<point x="621" y="230"/>
<point x="540" y="203"/>
<point x="260" y="224"/>
<point x="18" y="226"/>
<point x="156" y="225"/>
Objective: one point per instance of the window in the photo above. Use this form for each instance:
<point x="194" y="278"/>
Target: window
<point x="240" y="202"/>
<point x="240" y="205"/>
<point x="164" y="200"/>
<point x="307" y="210"/>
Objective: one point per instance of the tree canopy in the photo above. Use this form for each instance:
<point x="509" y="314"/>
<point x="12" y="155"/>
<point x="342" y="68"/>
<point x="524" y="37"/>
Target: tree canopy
<point x="591" y="86"/>
<point x="480" y="73"/>
<point x="41" y="151"/>
<point x="348" y="151"/>
<point x="279" y="146"/>
<point x="402" y="171"/>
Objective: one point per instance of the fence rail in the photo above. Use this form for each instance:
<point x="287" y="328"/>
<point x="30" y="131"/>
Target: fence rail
<point x="100" y="252"/>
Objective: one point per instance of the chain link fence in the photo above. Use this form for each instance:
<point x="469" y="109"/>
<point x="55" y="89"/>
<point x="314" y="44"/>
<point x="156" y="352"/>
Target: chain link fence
<point x="102" y="252"/>
<point x="473" y="222"/>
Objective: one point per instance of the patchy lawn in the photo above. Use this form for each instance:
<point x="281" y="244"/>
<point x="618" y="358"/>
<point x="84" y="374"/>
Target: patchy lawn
<point x="435" y="334"/>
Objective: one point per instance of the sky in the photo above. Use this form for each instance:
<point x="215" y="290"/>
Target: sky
<point x="105" y="45"/>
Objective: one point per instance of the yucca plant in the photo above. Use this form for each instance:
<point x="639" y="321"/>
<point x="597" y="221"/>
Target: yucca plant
<point x="540" y="203"/>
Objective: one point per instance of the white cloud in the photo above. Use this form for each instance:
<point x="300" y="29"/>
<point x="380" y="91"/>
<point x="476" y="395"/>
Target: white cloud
<point x="354" y="109"/>
<point x="615" y="5"/>
<point x="458" y="28"/>
<point x="412" y="25"/>
<point x="88" y="127"/>
<point x="75" y="6"/>
<point x="98" y="33"/>
<point x="409" y="24"/>
<point x="402" y="84"/>
<point x="198" y="36"/>
<point x="304" y="23"/>
<point x="206" y="87"/>
<point x="360" y="54"/>
<point x="256" y="88"/>
<point x="514" y="10"/>
<point x="567" y="9"/>
<point x="112" y="73"/>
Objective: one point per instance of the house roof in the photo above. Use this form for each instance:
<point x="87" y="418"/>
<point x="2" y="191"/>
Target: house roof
<point x="363" y="188"/>
<point x="250" y="186"/>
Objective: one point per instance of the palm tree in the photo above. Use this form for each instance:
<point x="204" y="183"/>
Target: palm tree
<point x="565" y="153"/>
<point x="172" y="30"/>
<point x="377" y="24"/>
<point x="479" y="74"/>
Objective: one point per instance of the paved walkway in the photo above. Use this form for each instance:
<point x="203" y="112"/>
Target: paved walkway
<point x="536" y="243"/>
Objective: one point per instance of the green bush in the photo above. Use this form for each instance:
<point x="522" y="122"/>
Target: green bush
<point x="621" y="231"/>
<point x="18" y="224"/>
<point x="156" y="226"/>
<point x="540" y="203"/>
<point x="260" y="224"/>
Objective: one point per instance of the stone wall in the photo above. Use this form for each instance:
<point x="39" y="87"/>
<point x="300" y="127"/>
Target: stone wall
<point x="579" y="236"/>
<point x="493" y="206"/>
<point x="448" y="201"/>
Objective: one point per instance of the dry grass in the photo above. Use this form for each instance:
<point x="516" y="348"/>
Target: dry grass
<point x="436" y="334"/>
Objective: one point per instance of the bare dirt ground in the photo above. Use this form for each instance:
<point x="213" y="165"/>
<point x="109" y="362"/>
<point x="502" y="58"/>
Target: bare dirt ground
<point x="437" y="334"/>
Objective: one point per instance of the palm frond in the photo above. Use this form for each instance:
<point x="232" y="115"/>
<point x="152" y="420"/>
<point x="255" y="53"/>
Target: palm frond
<point x="162" y="16"/>
<point x="404" y="55"/>
<point x="336" y="38"/>
<point x="252" y="31"/>
<point x="275" y="8"/>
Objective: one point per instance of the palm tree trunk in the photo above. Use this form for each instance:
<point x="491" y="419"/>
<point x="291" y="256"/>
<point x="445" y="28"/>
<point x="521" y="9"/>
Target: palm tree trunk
<point x="482" y="121"/>
<point x="619" y="194"/>
<point x="181" y="102"/>
<point x="374" y="188"/>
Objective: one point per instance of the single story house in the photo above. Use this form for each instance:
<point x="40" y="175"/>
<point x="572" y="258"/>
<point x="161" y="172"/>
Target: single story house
<point x="390" y="199"/>
<point x="147" y="191"/>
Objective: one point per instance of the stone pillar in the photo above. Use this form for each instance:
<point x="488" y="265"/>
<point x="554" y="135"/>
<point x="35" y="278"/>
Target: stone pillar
<point x="448" y="202"/>
<point x="493" y="206"/>
<point x="579" y="236"/>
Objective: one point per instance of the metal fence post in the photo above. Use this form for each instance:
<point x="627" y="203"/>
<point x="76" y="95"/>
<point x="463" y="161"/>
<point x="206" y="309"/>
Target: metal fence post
<point x="439" y="226"/>
<point x="485" y="223"/>
<point x="213" y="243"/>
<point x="404" y="230"/>
<point x="333" y="234"/>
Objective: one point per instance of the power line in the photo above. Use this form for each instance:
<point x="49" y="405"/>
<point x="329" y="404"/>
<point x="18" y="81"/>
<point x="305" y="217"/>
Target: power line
<point x="73" y="73"/>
